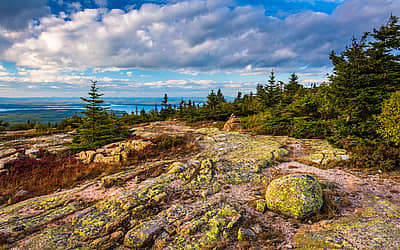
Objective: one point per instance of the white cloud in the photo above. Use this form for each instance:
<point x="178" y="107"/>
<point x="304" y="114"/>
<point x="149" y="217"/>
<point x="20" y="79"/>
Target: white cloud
<point x="189" y="37"/>
<point x="51" y="75"/>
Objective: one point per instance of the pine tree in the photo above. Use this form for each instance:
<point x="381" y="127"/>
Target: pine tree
<point x="364" y="75"/>
<point x="270" y="94"/>
<point x="164" y="101"/>
<point x="292" y="88"/>
<point x="212" y="100"/>
<point x="220" y="96"/>
<point x="3" y="125"/>
<point x="97" y="127"/>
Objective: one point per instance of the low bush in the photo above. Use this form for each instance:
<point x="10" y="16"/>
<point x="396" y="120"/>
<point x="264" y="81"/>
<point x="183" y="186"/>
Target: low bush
<point x="307" y="128"/>
<point x="47" y="173"/>
<point x="372" y="155"/>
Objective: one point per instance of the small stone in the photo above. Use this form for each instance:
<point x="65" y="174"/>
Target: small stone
<point x="261" y="205"/>
<point x="100" y="150"/>
<point x="258" y="193"/>
<point x="116" y="236"/>
<point x="207" y="193"/>
<point x="176" y="167"/>
<point x="142" y="234"/>
<point x="99" y="158"/>
<point x="257" y="228"/>
<point x="81" y="155"/>
<point x="21" y="193"/>
<point x="90" y="156"/>
<point x="246" y="234"/>
<point x="288" y="246"/>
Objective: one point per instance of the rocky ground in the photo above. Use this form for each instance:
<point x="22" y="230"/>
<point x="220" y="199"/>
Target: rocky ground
<point x="213" y="199"/>
<point x="24" y="145"/>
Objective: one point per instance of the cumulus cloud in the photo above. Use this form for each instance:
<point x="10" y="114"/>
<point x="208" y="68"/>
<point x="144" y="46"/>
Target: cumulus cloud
<point x="16" y="14"/>
<point x="194" y="36"/>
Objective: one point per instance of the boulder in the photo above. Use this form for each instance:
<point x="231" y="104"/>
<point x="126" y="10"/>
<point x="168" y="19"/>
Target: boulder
<point x="9" y="160"/>
<point x="142" y="235"/>
<point x="137" y="144"/>
<point x="246" y="234"/>
<point x="82" y="155"/>
<point x="99" y="158"/>
<point x="7" y="152"/>
<point x="295" y="195"/>
<point x="233" y="124"/>
<point x="113" y="151"/>
<point x="100" y="150"/>
<point x="112" y="159"/>
<point x="90" y="156"/>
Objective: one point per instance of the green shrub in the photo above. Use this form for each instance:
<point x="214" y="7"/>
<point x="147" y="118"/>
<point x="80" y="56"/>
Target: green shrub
<point x="389" y="119"/>
<point x="368" y="154"/>
<point x="267" y="123"/>
<point x="307" y="128"/>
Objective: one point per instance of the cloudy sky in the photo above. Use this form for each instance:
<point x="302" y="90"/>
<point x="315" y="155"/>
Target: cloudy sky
<point x="182" y="47"/>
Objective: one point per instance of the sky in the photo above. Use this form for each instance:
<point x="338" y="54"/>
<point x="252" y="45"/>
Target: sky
<point x="145" y="48"/>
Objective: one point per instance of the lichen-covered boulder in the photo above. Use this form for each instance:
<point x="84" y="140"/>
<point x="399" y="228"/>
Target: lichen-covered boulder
<point x="142" y="235"/>
<point x="295" y="195"/>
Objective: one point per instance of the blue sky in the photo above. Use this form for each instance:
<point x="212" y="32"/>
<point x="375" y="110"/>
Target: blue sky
<point x="180" y="47"/>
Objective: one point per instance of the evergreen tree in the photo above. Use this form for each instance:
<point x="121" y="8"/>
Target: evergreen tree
<point x="212" y="100"/>
<point x="292" y="88"/>
<point x="98" y="127"/>
<point x="143" y="113"/>
<point x="155" y="109"/>
<point x="164" y="101"/>
<point x="364" y="75"/>
<point x="238" y="98"/>
<point x="270" y="94"/>
<point x="220" y="96"/>
<point x="3" y="125"/>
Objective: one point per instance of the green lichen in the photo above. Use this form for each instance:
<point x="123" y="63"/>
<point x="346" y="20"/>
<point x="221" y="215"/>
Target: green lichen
<point x="246" y="234"/>
<point x="59" y="237"/>
<point x="205" y="179"/>
<point x="321" y="152"/>
<point x="371" y="228"/>
<point x="143" y="234"/>
<point x="260" y="205"/>
<point x="296" y="195"/>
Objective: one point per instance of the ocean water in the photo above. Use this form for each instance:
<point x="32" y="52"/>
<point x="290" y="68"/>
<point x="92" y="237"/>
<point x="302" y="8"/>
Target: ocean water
<point x="20" y="110"/>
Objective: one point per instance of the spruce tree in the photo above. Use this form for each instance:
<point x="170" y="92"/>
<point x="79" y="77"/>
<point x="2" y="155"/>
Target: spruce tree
<point x="364" y="75"/>
<point x="220" y="96"/>
<point x="212" y="100"/>
<point x="164" y="102"/>
<point x="98" y="127"/>
<point x="292" y="88"/>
